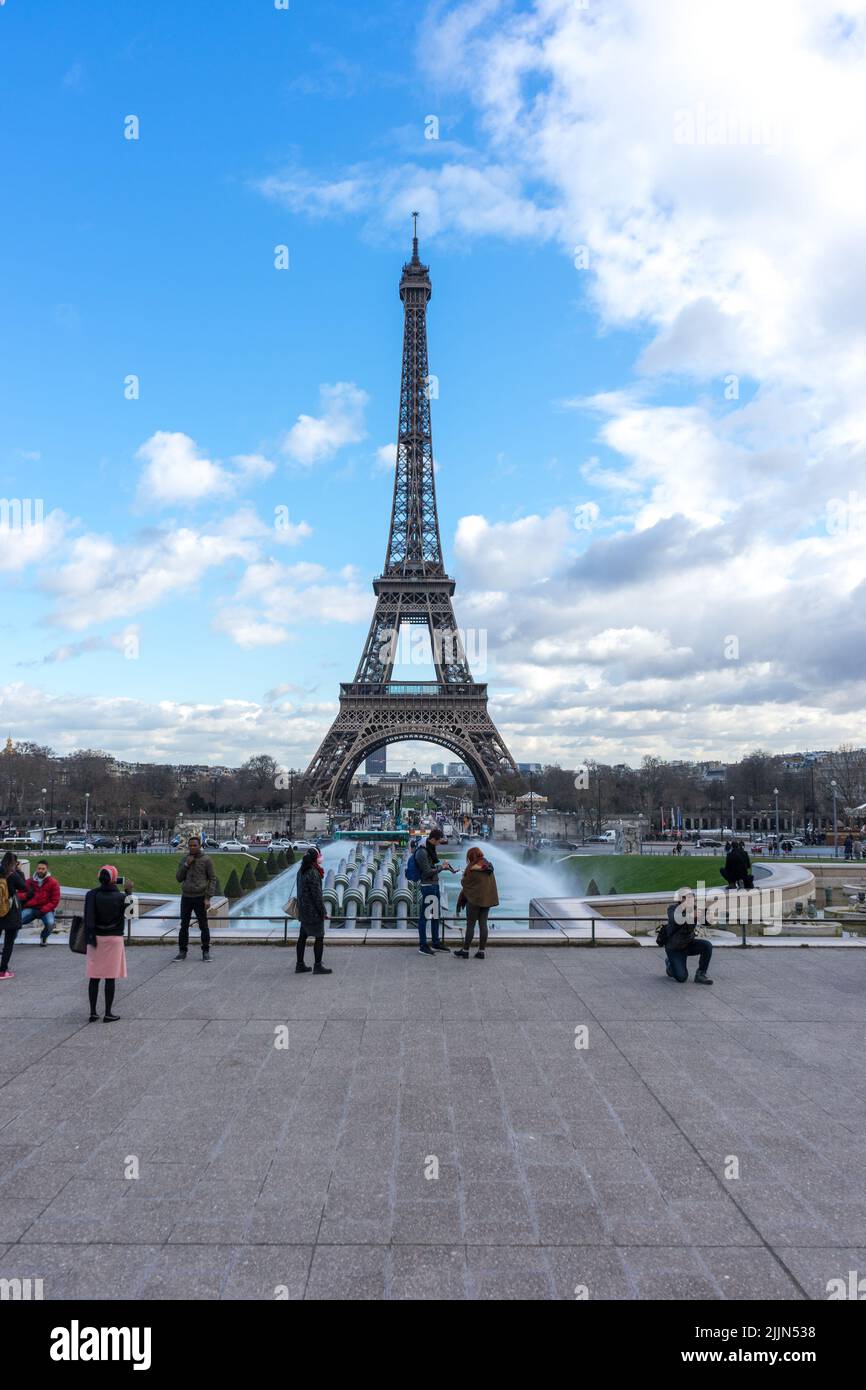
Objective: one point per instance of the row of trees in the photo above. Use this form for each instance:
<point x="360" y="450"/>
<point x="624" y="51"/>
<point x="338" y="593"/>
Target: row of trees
<point x="806" y="791"/>
<point x="90" y="782"/>
<point x="33" y="781"/>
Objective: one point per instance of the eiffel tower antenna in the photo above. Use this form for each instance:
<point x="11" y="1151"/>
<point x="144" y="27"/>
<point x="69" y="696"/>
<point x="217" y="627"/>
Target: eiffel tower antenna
<point x="413" y="589"/>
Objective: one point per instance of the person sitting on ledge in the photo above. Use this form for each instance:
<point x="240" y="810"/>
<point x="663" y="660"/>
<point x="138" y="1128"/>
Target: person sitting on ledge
<point x="681" y="942"/>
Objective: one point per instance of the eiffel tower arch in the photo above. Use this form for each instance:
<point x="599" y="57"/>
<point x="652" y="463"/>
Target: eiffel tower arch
<point x="413" y="589"/>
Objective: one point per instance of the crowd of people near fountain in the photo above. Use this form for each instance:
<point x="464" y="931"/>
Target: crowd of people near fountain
<point x="98" y="933"/>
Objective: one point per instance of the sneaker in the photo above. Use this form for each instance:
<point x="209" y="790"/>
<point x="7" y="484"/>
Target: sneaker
<point x="464" y="955"/>
<point x="205" y="955"/>
<point x="301" y="969"/>
<point x="111" y="1018"/>
<point x="94" y="1018"/>
<point x="43" y="943"/>
<point x="322" y="970"/>
<point x="702" y="979"/>
<point x="479" y="955"/>
<point x="440" y="946"/>
<point x="425" y="950"/>
<point x="181" y="955"/>
<point x="7" y="975"/>
<point x="670" y="974"/>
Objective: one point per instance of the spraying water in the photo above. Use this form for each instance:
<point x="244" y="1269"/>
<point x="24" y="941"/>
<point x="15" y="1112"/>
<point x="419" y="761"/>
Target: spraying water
<point x="517" y="882"/>
<point x="269" y="900"/>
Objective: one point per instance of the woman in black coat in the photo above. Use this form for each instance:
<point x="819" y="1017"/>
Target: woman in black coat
<point x="10" y="922"/>
<point x="311" y="912"/>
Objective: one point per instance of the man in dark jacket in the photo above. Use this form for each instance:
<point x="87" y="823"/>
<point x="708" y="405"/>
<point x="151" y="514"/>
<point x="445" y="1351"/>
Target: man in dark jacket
<point x="196" y="873"/>
<point x="681" y="942"/>
<point x="429" y="868"/>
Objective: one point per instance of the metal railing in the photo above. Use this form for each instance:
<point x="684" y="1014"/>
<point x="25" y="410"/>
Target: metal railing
<point x="410" y="923"/>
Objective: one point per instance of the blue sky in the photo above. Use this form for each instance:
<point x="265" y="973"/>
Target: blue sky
<point x="559" y="386"/>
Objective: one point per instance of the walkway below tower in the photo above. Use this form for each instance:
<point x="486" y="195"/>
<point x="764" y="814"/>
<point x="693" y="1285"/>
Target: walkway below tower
<point x="311" y="1167"/>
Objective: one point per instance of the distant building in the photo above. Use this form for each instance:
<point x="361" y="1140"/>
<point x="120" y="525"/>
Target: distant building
<point x="377" y="763"/>
<point x="528" y="767"/>
<point x="715" y="772"/>
<point x="458" y="770"/>
<point x="437" y="769"/>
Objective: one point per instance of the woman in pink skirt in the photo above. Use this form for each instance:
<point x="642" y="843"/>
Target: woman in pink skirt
<point x="103" y="932"/>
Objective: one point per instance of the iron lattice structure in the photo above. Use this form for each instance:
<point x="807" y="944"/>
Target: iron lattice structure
<point x="413" y="589"/>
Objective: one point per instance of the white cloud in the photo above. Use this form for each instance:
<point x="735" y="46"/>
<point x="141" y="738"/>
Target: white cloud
<point x="506" y="553"/>
<point x="268" y="591"/>
<point x="313" y="439"/>
<point x="175" y="471"/>
<point x="386" y="458"/>
<point x="247" y="630"/>
<point x="163" y="731"/>
<point x="103" y="579"/>
<point x="125" y="642"/>
<point x="25" y="539"/>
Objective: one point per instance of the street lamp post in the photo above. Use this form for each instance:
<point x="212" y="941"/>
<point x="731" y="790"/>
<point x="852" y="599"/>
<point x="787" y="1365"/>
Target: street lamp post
<point x="42" y="843"/>
<point x="530" y="836"/>
<point x="776" y="795"/>
<point x="835" y="836"/>
<point x="731" y="799"/>
<point x="86" y="816"/>
<point x="213" y="791"/>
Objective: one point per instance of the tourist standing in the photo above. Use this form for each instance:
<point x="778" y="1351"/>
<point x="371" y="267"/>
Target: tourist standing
<point x="104" y="909"/>
<point x="196" y="873"/>
<point x="12" y="882"/>
<point x="311" y="912"/>
<point x="849" y="846"/>
<point x="39" y="901"/>
<point x="738" y="866"/>
<point x="478" y="894"/>
<point x="429" y="868"/>
<point x="680" y="941"/>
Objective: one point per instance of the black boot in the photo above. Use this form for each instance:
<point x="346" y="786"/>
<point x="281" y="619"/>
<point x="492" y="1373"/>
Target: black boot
<point x="301" y="969"/>
<point x="321" y="970"/>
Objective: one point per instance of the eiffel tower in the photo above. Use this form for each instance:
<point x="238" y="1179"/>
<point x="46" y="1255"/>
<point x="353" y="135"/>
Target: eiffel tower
<point x="413" y="588"/>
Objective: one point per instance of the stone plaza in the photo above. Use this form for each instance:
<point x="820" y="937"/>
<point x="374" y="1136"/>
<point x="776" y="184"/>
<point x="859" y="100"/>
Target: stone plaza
<point x="545" y="1124"/>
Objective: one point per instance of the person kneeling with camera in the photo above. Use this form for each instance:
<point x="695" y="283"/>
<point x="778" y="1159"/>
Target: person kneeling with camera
<point x="680" y="941"/>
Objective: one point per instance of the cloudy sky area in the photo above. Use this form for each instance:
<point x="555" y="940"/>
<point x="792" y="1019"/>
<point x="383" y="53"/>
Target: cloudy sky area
<point x="646" y="226"/>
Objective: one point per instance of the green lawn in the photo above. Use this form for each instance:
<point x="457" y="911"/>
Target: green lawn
<point x="150" y="873"/>
<point x="639" y="873"/>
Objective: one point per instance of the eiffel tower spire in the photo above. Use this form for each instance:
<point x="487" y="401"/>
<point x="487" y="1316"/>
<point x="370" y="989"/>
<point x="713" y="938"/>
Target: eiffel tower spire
<point x="413" y="589"/>
<point x="414" y="546"/>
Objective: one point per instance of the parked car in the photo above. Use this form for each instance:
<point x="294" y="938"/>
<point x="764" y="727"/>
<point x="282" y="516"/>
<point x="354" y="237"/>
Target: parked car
<point x="232" y="847"/>
<point x="300" y="846"/>
<point x="78" y="847"/>
<point x="104" y="842"/>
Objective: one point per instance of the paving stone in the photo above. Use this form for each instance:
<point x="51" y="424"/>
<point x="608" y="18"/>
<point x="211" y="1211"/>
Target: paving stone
<point x="304" y="1170"/>
<point x="428" y="1272"/>
<point x="276" y="1272"/>
<point x="100" y="1271"/>
<point x="349" y="1272"/>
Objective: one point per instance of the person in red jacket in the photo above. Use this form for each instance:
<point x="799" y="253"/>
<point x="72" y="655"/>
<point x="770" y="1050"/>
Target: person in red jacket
<point x="39" y="901"/>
